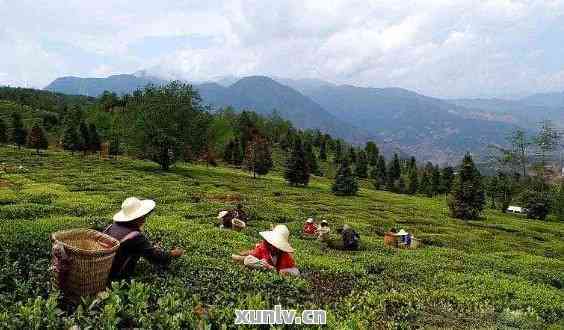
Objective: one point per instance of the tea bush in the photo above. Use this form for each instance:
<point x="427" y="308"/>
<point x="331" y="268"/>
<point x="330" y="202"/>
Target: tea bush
<point x="502" y="271"/>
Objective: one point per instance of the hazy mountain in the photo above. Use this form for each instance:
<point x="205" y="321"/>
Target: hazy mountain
<point x="427" y="127"/>
<point x="120" y="84"/>
<point x="264" y="95"/>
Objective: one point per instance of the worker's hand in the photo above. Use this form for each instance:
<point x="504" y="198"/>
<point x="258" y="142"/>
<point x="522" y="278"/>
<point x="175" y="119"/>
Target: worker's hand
<point x="266" y="265"/>
<point x="176" y="253"/>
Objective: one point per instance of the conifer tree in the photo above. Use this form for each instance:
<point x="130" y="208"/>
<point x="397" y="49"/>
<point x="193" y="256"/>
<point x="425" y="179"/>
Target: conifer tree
<point x="19" y="133"/>
<point x="435" y="180"/>
<point x="352" y="155"/>
<point x="466" y="200"/>
<point x="345" y="183"/>
<point x="37" y="139"/>
<point x="84" y="144"/>
<point x="395" y="168"/>
<point x="372" y="153"/>
<point x="412" y="164"/>
<point x="361" y="168"/>
<point x="425" y="183"/>
<point x="323" y="150"/>
<point x="378" y="174"/>
<point x="3" y="132"/>
<point x="258" y="157"/>
<point x="447" y="177"/>
<point x="71" y="139"/>
<point x="413" y="182"/>
<point x="311" y="159"/>
<point x="94" y="143"/>
<point x="297" y="170"/>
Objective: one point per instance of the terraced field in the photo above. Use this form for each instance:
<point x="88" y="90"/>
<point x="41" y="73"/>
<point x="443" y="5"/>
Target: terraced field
<point x="502" y="271"/>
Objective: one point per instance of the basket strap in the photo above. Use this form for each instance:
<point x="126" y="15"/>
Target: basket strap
<point x="107" y="228"/>
<point x="129" y="236"/>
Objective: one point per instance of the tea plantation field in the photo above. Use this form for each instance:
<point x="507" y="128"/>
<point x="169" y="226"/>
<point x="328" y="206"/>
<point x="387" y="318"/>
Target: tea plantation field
<point x="500" y="272"/>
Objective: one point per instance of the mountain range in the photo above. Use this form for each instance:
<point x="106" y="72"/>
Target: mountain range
<point x="432" y="129"/>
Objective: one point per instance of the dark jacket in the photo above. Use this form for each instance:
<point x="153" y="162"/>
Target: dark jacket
<point x="234" y="214"/>
<point x="133" y="246"/>
<point x="351" y="239"/>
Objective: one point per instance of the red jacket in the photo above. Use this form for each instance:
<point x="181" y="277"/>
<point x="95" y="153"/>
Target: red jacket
<point x="284" y="261"/>
<point x="310" y="228"/>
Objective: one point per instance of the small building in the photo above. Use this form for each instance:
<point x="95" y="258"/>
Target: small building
<point x="516" y="209"/>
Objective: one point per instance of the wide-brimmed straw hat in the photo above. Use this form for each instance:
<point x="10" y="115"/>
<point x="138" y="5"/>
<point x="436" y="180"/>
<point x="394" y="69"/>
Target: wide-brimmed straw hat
<point x="222" y="214"/>
<point x="402" y="233"/>
<point x="278" y="237"/>
<point x="309" y="220"/>
<point x="133" y="208"/>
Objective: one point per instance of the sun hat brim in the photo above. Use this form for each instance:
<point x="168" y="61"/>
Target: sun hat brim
<point x="147" y="206"/>
<point x="402" y="233"/>
<point x="222" y="214"/>
<point x="277" y="240"/>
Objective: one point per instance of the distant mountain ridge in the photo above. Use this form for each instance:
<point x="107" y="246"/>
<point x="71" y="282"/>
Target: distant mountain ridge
<point x="398" y="119"/>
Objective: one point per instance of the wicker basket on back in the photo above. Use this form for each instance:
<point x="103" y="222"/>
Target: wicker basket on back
<point x="390" y="240"/>
<point x="82" y="260"/>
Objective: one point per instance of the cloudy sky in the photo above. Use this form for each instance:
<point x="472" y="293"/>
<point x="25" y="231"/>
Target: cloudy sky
<point x="440" y="48"/>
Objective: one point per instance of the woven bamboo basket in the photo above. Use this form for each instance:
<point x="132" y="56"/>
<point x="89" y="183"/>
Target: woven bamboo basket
<point x="82" y="260"/>
<point x="390" y="240"/>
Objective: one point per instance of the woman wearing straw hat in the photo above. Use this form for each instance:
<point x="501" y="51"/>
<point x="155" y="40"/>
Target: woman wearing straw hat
<point x="310" y="227"/>
<point x="128" y="229"/>
<point x="273" y="253"/>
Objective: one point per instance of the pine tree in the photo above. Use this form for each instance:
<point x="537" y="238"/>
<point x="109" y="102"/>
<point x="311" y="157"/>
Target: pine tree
<point x="37" y="139"/>
<point x="372" y="153"/>
<point x="345" y="183"/>
<point x="361" y="168"/>
<point x="84" y="144"/>
<point x="435" y="180"/>
<point x="3" y="132"/>
<point x="258" y="157"/>
<point x="466" y="200"/>
<point x="311" y="159"/>
<point x="323" y="150"/>
<point x="425" y="183"/>
<point x="19" y="133"/>
<point x="395" y="168"/>
<point x="412" y="164"/>
<point x="297" y="170"/>
<point x="413" y="182"/>
<point x="71" y="139"/>
<point x="447" y="177"/>
<point x="492" y="190"/>
<point x="352" y="155"/>
<point x="94" y="142"/>
<point x="378" y="174"/>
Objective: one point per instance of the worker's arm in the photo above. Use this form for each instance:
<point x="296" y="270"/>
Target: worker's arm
<point x="256" y="263"/>
<point x="143" y="247"/>
<point x="290" y="271"/>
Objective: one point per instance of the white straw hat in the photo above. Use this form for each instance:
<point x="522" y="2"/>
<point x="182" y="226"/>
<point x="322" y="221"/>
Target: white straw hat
<point x="309" y="220"/>
<point x="133" y="208"/>
<point x="222" y="214"/>
<point x="278" y="237"/>
<point x="402" y="233"/>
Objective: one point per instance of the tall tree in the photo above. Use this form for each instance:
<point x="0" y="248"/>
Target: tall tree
<point x="395" y="168"/>
<point x="84" y="137"/>
<point x="37" y="139"/>
<point x="323" y="149"/>
<point x="520" y="149"/>
<point x="311" y="159"/>
<point x="258" y="156"/>
<point x="352" y="155"/>
<point x="379" y="173"/>
<point x="413" y="182"/>
<point x="297" y="170"/>
<point x="467" y="199"/>
<point x="71" y="139"/>
<point x="425" y="183"/>
<point x="447" y="177"/>
<point x="547" y="140"/>
<point x="558" y="202"/>
<point x="435" y="180"/>
<point x="3" y="132"/>
<point x="361" y="168"/>
<point x="372" y="153"/>
<point x="19" y="133"/>
<point x="345" y="183"/>
<point x="114" y="147"/>
<point x="94" y="143"/>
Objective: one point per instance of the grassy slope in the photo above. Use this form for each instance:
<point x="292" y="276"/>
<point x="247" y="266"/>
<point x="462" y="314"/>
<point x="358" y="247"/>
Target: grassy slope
<point x="502" y="270"/>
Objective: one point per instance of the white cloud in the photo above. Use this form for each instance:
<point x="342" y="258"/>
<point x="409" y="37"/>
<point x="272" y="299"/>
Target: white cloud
<point x="438" y="47"/>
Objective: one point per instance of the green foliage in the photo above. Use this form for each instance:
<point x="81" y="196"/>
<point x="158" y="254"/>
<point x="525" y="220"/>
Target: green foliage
<point x="19" y="134"/>
<point x="372" y="153"/>
<point x="323" y="149"/>
<point x="503" y="272"/>
<point x="37" y="139"/>
<point x="311" y="159"/>
<point x="558" y="202"/>
<point x="413" y="182"/>
<point x="345" y="183"/>
<point x="361" y="168"/>
<point x="3" y="132"/>
<point x="94" y="143"/>
<point x="467" y="199"/>
<point x="258" y="158"/>
<point x="296" y="171"/>
<point x="447" y="178"/>
<point x="379" y="173"/>
<point x="71" y="139"/>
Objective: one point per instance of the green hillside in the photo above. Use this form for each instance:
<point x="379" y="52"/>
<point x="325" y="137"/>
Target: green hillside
<point x="501" y="271"/>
